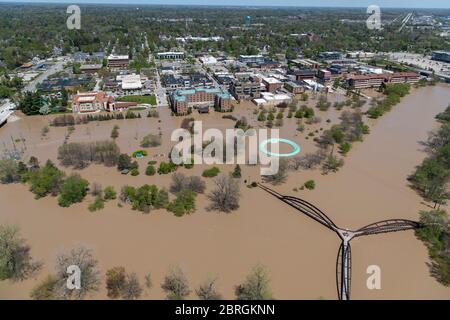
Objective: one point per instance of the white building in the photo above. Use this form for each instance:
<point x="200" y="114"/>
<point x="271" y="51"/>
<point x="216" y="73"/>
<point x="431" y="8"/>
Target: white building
<point x="172" y="55"/>
<point x="208" y="60"/>
<point x="130" y="81"/>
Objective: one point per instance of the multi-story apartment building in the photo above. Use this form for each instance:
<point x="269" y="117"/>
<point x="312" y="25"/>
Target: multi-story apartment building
<point x="183" y="100"/>
<point x="116" y="62"/>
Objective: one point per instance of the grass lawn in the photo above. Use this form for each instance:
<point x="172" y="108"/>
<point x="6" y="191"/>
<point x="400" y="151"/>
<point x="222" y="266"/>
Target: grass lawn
<point x="151" y="99"/>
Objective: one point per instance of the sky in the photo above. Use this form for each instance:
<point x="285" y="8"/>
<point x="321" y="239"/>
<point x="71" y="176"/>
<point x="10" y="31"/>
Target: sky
<point x="302" y="3"/>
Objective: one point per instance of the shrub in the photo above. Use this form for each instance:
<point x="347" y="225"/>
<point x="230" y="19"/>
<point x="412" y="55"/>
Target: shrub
<point x="310" y="184"/>
<point x="73" y="190"/>
<point x="150" y="171"/>
<point x="183" y="204"/>
<point x="144" y="198"/>
<point x="166" y="167"/>
<point x="345" y="147"/>
<point x="110" y="193"/>
<point x="134" y="172"/>
<point x="212" y="172"/>
<point x="98" y="204"/>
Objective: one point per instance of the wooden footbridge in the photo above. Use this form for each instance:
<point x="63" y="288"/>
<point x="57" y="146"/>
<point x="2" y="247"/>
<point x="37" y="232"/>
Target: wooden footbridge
<point x="344" y="257"/>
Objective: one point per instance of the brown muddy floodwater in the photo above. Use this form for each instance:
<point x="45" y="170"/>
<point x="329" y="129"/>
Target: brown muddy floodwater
<point x="299" y="253"/>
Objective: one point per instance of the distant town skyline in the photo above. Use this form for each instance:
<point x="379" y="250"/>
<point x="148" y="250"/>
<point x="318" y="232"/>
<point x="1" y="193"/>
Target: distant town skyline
<point x="442" y="4"/>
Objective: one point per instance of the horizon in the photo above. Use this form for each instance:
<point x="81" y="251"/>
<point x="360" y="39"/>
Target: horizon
<point x="398" y="4"/>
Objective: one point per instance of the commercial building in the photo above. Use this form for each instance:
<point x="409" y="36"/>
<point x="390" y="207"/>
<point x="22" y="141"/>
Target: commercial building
<point x="268" y="98"/>
<point x="330" y="55"/>
<point x="376" y="80"/>
<point x="130" y="82"/>
<point x="302" y="74"/>
<point x="272" y="84"/>
<point x="251" y="58"/>
<point x="90" y="68"/>
<point x="182" y="101"/>
<point x="294" y="87"/>
<point x="306" y="64"/>
<point x="172" y="55"/>
<point x="184" y="81"/>
<point x="91" y="102"/>
<point x="208" y="60"/>
<point x="441" y="56"/>
<point x="246" y="86"/>
<point x="116" y="62"/>
<point x="324" y="76"/>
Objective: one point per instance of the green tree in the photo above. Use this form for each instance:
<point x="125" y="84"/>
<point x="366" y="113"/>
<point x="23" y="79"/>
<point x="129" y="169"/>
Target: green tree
<point x="73" y="190"/>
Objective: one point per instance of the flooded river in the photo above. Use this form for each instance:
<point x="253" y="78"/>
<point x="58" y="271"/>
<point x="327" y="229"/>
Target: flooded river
<point x="299" y="253"/>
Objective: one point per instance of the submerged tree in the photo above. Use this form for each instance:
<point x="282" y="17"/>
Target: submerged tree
<point x="225" y="197"/>
<point x="16" y="262"/>
<point x="208" y="291"/>
<point x="435" y="233"/>
<point x="176" y="284"/>
<point x="256" y="286"/>
<point x="83" y="258"/>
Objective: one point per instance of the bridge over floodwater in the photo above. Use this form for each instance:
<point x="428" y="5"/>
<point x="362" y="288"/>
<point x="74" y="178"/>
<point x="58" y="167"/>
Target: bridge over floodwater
<point x="344" y="257"/>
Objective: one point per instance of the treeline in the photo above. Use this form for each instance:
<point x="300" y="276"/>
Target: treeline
<point x="394" y="93"/>
<point x="432" y="176"/>
<point x="431" y="180"/>
<point x="120" y="284"/>
<point x="81" y="154"/>
<point x="70" y="120"/>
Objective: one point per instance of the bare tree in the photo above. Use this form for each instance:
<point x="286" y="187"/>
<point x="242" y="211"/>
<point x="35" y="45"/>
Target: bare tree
<point x="208" y="291"/>
<point x="181" y="181"/>
<point x="96" y="189"/>
<point x="308" y="160"/>
<point x="132" y="289"/>
<point x="281" y="175"/>
<point x="225" y="197"/>
<point x="82" y="257"/>
<point x="176" y="284"/>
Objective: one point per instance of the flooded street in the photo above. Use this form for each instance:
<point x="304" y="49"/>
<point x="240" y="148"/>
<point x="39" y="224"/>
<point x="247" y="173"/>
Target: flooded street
<point x="299" y="253"/>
